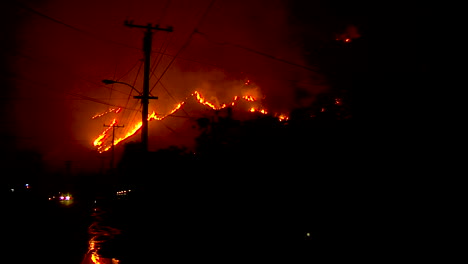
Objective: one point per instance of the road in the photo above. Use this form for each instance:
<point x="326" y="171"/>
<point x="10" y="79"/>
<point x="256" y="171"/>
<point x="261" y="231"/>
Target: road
<point x="154" y="227"/>
<point x="147" y="230"/>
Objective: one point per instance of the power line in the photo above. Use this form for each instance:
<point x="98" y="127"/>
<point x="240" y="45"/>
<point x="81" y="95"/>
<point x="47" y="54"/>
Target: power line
<point x="168" y="127"/>
<point x="134" y="82"/>
<point x="131" y="69"/>
<point x="73" y="27"/>
<point x="61" y="68"/>
<point x="158" y="59"/>
<point x="255" y="51"/>
<point x="186" y="43"/>
<point x="164" y="11"/>
<point x="178" y="52"/>
<point x="81" y="96"/>
<point x="99" y="101"/>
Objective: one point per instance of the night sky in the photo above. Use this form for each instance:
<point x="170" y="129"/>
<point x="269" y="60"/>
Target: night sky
<point x="55" y="54"/>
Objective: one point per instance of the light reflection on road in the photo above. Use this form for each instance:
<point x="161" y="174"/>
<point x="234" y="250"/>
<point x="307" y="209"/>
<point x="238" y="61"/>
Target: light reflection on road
<point x="99" y="234"/>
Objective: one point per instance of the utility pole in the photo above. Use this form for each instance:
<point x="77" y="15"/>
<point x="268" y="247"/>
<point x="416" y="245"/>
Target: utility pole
<point x="145" y="95"/>
<point x="113" y="145"/>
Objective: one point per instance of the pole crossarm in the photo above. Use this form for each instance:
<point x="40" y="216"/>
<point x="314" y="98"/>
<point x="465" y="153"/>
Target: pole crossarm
<point x="148" y="97"/>
<point x="148" y="26"/>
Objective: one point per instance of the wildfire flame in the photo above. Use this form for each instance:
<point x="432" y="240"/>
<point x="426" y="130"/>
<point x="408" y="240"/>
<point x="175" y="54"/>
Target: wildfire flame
<point x="115" y="110"/>
<point x="99" y="141"/>
<point x="249" y="98"/>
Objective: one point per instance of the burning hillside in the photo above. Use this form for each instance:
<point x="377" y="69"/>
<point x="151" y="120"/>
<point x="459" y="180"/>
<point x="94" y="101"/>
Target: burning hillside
<point x="249" y="102"/>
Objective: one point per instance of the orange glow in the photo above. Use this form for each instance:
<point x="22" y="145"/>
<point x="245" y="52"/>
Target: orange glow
<point x="102" y="147"/>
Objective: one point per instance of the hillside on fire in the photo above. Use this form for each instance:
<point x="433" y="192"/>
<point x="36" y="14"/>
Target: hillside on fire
<point x="231" y="141"/>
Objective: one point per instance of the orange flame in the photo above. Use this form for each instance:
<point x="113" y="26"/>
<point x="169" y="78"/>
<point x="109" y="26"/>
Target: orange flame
<point x="99" y="140"/>
<point x="202" y="101"/>
<point x="115" y="110"/>
<point x="249" y="98"/>
<point x="154" y="116"/>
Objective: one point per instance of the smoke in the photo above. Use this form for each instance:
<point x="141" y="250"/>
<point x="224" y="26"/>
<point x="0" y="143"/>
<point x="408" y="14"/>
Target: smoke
<point x="65" y="49"/>
<point x="255" y="39"/>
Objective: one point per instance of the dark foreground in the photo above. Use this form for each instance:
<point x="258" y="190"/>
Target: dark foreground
<point x="230" y="224"/>
<point x="36" y="230"/>
<point x="215" y="222"/>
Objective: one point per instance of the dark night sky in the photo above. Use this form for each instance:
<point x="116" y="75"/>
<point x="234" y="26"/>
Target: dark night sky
<point x="55" y="54"/>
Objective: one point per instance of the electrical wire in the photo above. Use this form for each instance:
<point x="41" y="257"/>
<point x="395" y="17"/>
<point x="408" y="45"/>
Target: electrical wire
<point x="168" y="127"/>
<point x="254" y="51"/>
<point x="164" y="11"/>
<point x="57" y="67"/>
<point x="186" y="43"/>
<point x="89" y="34"/>
<point x="131" y="69"/>
<point x="81" y="96"/>
<point x="158" y="59"/>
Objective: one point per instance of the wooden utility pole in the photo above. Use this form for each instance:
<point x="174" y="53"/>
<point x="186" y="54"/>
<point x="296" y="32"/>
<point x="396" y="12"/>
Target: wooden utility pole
<point x="113" y="145"/>
<point x="145" y="95"/>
